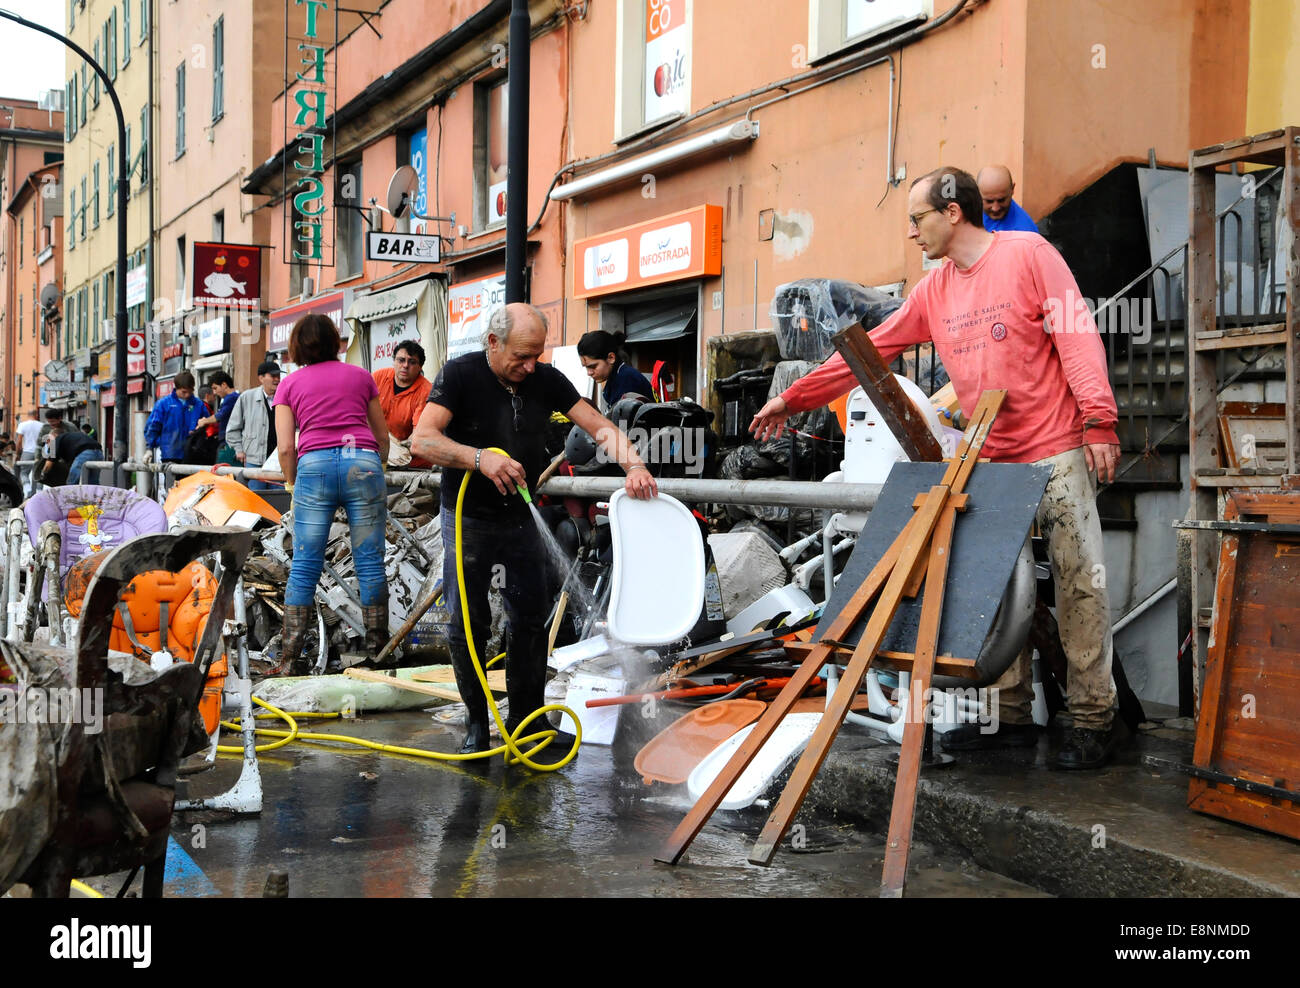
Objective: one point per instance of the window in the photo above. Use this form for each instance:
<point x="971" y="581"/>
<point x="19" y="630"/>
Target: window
<point x="112" y="181"/>
<point x="350" y="235"/>
<point x="219" y="226"/>
<point x="836" y="24"/>
<point x="82" y="313"/>
<point x="72" y="14"/>
<point x="652" y="64"/>
<point x="109" y="325"/>
<point x="85" y="91"/>
<point x="94" y="87"/>
<point x="146" y="132"/>
<point x="84" y="338"/>
<point x="126" y="32"/>
<point x="20" y="318"/>
<point x="70" y="115"/>
<point x="94" y="214"/>
<point x="72" y="220"/>
<point x="490" y="129"/>
<point x="180" y="266"/>
<point x="180" y="109"/>
<point x="218" y="69"/>
<point x="110" y="49"/>
<point x="85" y="200"/>
<point x="144" y="20"/>
<point x="70" y="320"/>
<point x="20" y="241"/>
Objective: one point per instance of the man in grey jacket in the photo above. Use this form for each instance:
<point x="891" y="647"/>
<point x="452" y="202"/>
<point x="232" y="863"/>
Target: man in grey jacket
<point x="250" y="431"/>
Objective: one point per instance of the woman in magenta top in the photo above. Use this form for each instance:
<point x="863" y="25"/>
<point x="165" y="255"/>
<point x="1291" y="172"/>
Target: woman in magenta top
<point x="333" y="443"/>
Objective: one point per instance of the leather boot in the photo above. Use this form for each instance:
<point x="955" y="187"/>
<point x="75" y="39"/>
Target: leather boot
<point x="375" y="619"/>
<point x="297" y="621"/>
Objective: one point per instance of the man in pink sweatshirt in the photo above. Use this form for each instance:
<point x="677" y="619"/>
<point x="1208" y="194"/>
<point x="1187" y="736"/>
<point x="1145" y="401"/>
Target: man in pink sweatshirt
<point x="1005" y="312"/>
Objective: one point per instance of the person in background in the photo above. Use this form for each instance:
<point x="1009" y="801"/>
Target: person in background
<point x="403" y="392"/>
<point x="598" y="351"/>
<point x="333" y="443"/>
<point x="173" y="418"/>
<point x="251" y="428"/>
<point x="45" y="452"/>
<point x="1001" y="212"/>
<point x="223" y="388"/>
<point x="28" y="431"/>
<point x="72" y="449"/>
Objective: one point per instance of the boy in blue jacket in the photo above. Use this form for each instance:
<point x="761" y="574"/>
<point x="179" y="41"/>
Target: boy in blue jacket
<point x="173" y="418"/>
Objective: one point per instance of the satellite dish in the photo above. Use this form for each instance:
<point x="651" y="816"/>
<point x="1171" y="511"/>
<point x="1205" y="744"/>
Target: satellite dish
<point x="402" y="190"/>
<point x="49" y="296"/>
<point x="57" y="370"/>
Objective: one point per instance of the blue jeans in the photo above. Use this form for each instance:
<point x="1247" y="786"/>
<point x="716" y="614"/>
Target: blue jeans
<point x="328" y="479"/>
<point x="85" y="456"/>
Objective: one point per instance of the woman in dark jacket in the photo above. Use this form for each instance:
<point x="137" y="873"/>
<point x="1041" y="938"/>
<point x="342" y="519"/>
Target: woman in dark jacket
<point x="598" y="351"/>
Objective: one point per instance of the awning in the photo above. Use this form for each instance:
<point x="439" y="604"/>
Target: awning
<point x="426" y="297"/>
<point x="653" y="322"/>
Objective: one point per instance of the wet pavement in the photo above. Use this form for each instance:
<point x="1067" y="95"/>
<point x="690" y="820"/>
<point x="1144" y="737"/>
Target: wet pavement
<point x="350" y="822"/>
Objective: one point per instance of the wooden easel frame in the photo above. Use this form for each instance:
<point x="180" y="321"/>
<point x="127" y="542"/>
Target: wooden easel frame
<point x="919" y="555"/>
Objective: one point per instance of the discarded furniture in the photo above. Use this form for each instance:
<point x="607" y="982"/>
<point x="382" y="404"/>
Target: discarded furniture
<point x="1246" y="763"/>
<point x="106" y="798"/>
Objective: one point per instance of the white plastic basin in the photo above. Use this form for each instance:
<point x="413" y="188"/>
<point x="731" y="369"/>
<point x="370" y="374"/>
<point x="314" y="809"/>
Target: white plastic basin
<point x="657" y="586"/>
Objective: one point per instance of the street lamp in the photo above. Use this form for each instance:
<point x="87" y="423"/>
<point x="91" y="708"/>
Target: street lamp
<point x="120" y="423"/>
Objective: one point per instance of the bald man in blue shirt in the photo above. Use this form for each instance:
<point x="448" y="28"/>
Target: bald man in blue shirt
<point x="1001" y="212"/>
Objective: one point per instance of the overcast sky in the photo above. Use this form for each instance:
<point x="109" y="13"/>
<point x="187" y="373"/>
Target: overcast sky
<point x="30" y="61"/>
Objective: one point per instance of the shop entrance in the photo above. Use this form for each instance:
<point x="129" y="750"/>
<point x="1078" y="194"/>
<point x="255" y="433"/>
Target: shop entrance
<point x="660" y="329"/>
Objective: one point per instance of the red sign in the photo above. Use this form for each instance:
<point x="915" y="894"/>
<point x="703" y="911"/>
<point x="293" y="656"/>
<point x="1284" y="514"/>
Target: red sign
<point x="163" y="388"/>
<point x="106" y="397"/>
<point x="135" y="387"/>
<point x="227" y="275"/>
<point x="282" y="320"/>
<point x="134" y="365"/>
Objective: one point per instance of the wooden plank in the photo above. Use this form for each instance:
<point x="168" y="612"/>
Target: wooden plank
<point x="1212" y="698"/>
<point x="882" y="388"/>
<point x="446" y="674"/>
<point x="819" y="745"/>
<point x="1273" y="335"/>
<point x="1235" y="479"/>
<point x="428" y="689"/>
<point x="944" y="665"/>
<point x="1289" y="249"/>
<point x="898" y="845"/>
<point x="1263" y="149"/>
<point x="1254" y="811"/>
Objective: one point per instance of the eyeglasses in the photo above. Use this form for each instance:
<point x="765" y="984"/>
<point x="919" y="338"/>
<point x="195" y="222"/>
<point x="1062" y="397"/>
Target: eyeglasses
<point x="914" y="219"/>
<point x="408" y="360"/>
<point x="517" y="403"/>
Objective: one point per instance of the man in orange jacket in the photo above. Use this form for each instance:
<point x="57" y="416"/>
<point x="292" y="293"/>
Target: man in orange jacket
<point x="1002" y="312"/>
<point x="403" y="392"/>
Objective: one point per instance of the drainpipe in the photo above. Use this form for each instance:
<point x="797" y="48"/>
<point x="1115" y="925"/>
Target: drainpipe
<point x="517" y="153"/>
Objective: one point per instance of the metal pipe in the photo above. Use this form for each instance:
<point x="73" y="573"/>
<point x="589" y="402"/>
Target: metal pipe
<point x="427" y="478"/>
<point x="1141" y="608"/>
<point x="13" y="575"/>
<point x="796" y="493"/>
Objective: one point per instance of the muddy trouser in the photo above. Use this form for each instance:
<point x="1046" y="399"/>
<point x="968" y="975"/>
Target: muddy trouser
<point x="506" y="553"/>
<point x="1068" y="519"/>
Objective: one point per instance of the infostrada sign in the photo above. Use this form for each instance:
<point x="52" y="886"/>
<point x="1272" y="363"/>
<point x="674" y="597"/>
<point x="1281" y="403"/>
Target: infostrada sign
<point x="682" y="245"/>
<point x="310" y="74"/>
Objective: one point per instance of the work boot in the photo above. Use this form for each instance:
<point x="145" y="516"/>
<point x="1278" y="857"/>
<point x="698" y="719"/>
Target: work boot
<point x="973" y="737"/>
<point x="375" y="619"/>
<point x="1083" y="748"/>
<point x="297" y="622"/>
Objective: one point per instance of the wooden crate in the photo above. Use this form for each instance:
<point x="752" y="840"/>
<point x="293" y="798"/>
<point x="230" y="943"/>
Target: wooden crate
<point x="1249" y="726"/>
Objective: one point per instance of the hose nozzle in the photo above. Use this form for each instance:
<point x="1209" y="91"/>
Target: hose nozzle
<point x="523" y="492"/>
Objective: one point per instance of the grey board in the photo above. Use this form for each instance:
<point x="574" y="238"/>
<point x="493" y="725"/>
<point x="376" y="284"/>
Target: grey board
<point x="1003" y="500"/>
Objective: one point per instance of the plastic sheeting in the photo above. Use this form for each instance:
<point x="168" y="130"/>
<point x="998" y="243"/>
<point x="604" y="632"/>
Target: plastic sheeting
<point x="808" y="312"/>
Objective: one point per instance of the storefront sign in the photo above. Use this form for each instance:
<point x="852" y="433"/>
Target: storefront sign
<point x="135" y="365"/>
<point x="163" y="388"/>
<point x="683" y="245"/>
<point x="227" y="275"/>
<point x="422" y="248"/>
<point x="667" y="59"/>
<point x="105" y="365"/>
<point x="137" y="286"/>
<point x="310" y="74"/>
<point x="386" y="333"/>
<point x="470" y="306"/>
<point x="135" y="387"/>
<point x="282" y="320"/>
<point x="212" y="336"/>
<point x="420" y="162"/>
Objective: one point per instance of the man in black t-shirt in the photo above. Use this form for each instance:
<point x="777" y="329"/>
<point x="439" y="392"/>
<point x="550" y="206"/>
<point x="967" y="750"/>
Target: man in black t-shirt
<point x="503" y="396"/>
<point x="71" y="448"/>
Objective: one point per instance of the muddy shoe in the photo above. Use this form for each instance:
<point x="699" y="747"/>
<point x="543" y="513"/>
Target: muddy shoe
<point x="1083" y="749"/>
<point x="975" y="737"/>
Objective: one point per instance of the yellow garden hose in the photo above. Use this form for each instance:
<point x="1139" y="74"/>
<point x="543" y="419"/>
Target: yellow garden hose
<point x="511" y="742"/>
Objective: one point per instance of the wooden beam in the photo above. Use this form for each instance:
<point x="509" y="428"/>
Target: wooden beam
<point x="895" y="408"/>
